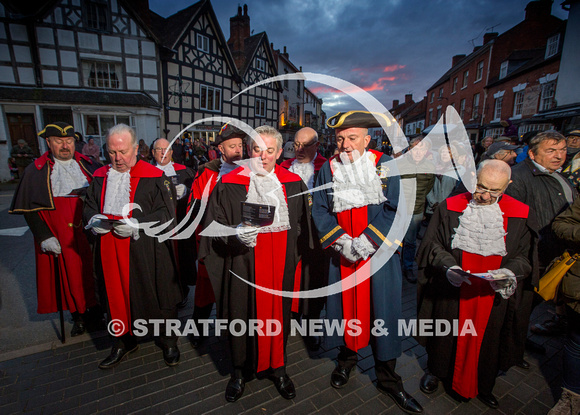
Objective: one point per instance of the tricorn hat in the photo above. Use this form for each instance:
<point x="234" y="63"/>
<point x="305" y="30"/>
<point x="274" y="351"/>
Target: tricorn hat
<point x="357" y="119"/>
<point x="227" y="132"/>
<point x="57" y="129"/>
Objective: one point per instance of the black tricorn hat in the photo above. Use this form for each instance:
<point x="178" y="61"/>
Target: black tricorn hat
<point x="57" y="129"/>
<point x="229" y="131"/>
<point x="357" y="119"/>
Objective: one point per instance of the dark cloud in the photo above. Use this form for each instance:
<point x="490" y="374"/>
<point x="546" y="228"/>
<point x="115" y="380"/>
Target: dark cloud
<point x="356" y="40"/>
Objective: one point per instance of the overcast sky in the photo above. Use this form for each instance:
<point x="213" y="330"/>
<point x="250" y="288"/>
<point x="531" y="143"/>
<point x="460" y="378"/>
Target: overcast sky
<point x="387" y="47"/>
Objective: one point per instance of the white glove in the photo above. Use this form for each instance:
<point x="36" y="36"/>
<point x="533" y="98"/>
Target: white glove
<point x="127" y="227"/>
<point x="456" y="276"/>
<point x="343" y="245"/>
<point x="247" y="234"/>
<point x="97" y="226"/>
<point x="363" y="246"/>
<point x="181" y="191"/>
<point x="507" y="287"/>
<point x="50" y="245"/>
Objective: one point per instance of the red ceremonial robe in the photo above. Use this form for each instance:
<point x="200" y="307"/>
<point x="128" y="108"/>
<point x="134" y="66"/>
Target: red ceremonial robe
<point x="476" y="300"/>
<point x="60" y="217"/>
<point x="270" y="264"/>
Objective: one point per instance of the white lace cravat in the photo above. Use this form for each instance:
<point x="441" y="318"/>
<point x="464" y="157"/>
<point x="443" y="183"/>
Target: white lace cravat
<point x="66" y="176"/>
<point x="267" y="190"/>
<point x="118" y="192"/>
<point x="355" y="184"/>
<point x="480" y="230"/>
<point x="168" y="169"/>
<point x="305" y="171"/>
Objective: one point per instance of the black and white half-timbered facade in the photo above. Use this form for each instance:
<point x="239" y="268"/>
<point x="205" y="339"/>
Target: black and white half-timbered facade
<point x="91" y="63"/>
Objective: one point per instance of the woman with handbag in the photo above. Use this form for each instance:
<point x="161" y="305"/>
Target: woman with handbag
<point x="567" y="227"/>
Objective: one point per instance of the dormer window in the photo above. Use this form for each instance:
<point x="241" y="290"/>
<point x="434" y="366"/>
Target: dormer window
<point x="261" y="64"/>
<point x="552" y="46"/>
<point x="503" y="69"/>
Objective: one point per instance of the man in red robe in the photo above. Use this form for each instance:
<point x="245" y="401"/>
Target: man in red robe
<point x="139" y="271"/>
<point x="487" y="232"/>
<point x="263" y="255"/>
<point x="49" y="197"/>
<point x="230" y="142"/>
<point x="312" y="271"/>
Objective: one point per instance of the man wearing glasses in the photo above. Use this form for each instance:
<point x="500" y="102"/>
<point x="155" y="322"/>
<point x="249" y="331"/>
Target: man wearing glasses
<point x="484" y="232"/>
<point x="182" y="178"/>
<point x="312" y="272"/>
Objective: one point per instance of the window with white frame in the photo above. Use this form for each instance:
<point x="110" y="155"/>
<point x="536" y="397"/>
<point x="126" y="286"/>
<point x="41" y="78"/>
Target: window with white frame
<point x="261" y="64"/>
<point x="454" y="87"/>
<point x="462" y="108"/>
<point x="497" y="108"/>
<point x="479" y="71"/>
<point x="96" y="126"/>
<point x="475" y="109"/>
<point x="465" y="79"/>
<point x="430" y="116"/>
<point x="518" y="103"/>
<point x="96" y="15"/>
<point x="432" y="97"/>
<point x="548" y="91"/>
<point x="552" y="46"/>
<point x="202" y="43"/>
<point x="441" y="92"/>
<point x="210" y="98"/>
<point x="503" y="69"/>
<point x="260" y="107"/>
<point x="98" y="74"/>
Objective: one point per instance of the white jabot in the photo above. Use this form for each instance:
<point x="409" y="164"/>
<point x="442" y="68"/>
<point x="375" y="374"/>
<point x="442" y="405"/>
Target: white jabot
<point x="355" y="184"/>
<point x="66" y="176"/>
<point x="267" y="190"/>
<point x="305" y="171"/>
<point x="118" y="192"/>
<point x="225" y="168"/>
<point x="168" y="169"/>
<point x="480" y="230"/>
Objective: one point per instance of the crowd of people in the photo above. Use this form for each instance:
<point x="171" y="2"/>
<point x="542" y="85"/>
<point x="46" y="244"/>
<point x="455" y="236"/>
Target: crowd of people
<point x="269" y="218"/>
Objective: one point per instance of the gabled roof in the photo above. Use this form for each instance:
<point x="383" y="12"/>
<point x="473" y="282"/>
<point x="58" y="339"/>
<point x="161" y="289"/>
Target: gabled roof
<point x="447" y="75"/>
<point x="251" y="46"/>
<point x="173" y="29"/>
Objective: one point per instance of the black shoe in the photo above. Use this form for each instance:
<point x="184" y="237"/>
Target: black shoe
<point x="429" y="383"/>
<point x="116" y="356"/>
<point x="523" y="364"/>
<point x="235" y="389"/>
<point x="489" y="400"/>
<point x="171" y="355"/>
<point x="403" y="400"/>
<point x="285" y="387"/>
<point x="78" y="329"/>
<point x="339" y="377"/>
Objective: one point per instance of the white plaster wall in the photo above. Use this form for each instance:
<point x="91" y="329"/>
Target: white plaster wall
<point x="26" y="75"/>
<point x="66" y="38"/>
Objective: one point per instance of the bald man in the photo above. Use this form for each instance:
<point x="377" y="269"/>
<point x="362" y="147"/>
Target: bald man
<point x="312" y="271"/>
<point x="484" y="232"/>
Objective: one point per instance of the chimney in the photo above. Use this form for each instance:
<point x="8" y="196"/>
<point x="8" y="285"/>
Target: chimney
<point x="488" y="37"/>
<point x="456" y="59"/>
<point x="408" y="98"/>
<point x="538" y="10"/>
<point x="239" y="32"/>
<point x="395" y="103"/>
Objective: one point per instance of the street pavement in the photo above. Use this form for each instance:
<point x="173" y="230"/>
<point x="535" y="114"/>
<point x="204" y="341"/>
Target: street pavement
<point x="40" y="375"/>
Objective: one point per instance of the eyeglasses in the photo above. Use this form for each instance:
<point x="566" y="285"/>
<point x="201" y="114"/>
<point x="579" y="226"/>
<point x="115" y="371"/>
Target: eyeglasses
<point x="161" y="150"/>
<point x="479" y="189"/>
<point x="300" y="145"/>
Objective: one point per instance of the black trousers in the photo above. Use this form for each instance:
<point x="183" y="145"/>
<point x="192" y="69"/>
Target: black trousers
<point x="384" y="369"/>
